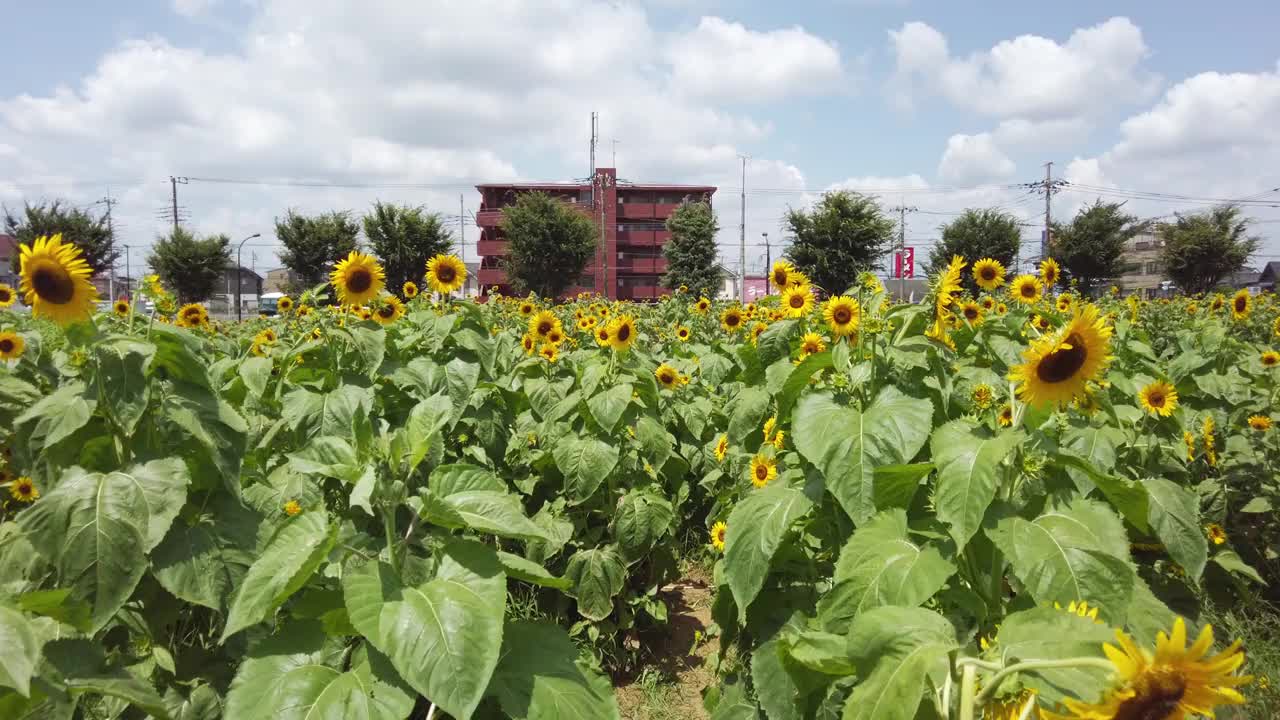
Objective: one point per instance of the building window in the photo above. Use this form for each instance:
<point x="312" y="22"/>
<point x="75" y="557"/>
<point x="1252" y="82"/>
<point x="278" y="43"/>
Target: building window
<point x="1142" y="245"/>
<point x="1153" y="268"/>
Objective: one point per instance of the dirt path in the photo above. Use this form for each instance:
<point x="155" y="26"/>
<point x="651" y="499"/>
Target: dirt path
<point x="671" y="688"/>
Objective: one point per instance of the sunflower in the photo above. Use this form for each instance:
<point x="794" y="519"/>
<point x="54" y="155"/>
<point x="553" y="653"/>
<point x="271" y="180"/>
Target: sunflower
<point x="722" y="448"/>
<point x="1059" y="365"/>
<point x="1080" y="609"/>
<point x="988" y="303"/>
<point x="358" y="279"/>
<point x="1261" y="423"/>
<point x="757" y="330"/>
<point x="842" y="315"/>
<point x="769" y="426"/>
<point x="988" y="273"/>
<point x="1040" y="323"/>
<point x="811" y="344"/>
<point x="717" y="535"/>
<point x="1001" y="309"/>
<point x="389" y="311"/>
<point x="445" y="273"/>
<point x="667" y="376"/>
<point x="120" y="308"/>
<point x="292" y="508"/>
<point x="192" y="315"/>
<point x="1218" y="301"/>
<point x="1210" y="444"/>
<point x="304" y="310"/>
<point x="780" y="274"/>
<point x="260" y="348"/>
<point x="409" y="289"/>
<point x="763" y="470"/>
<point x="1173" y="683"/>
<point x="798" y="278"/>
<point x="7" y="296"/>
<point x="556" y="336"/>
<point x="1275" y="327"/>
<point x="602" y="336"/>
<point x="1158" y="398"/>
<point x="702" y="306"/>
<point x="972" y="312"/>
<point x="1050" y="273"/>
<point x="267" y="336"/>
<point x="1241" y="303"/>
<point x="543" y="323"/>
<point x="527" y="308"/>
<point x="1192" y="307"/>
<point x="528" y="342"/>
<point x="24" y="490"/>
<point x="1270" y="358"/>
<point x="284" y="304"/>
<point x="948" y="282"/>
<point x="1189" y="439"/>
<point x="731" y="319"/>
<point x="982" y="396"/>
<point x="55" y="280"/>
<point x="1011" y="707"/>
<point x="1063" y="303"/>
<point x="549" y="352"/>
<point x="1026" y="289"/>
<point x="317" y="334"/>
<point x="682" y="334"/>
<point x="622" y="332"/>
<point x="798" y="300"/>
<point x="11" y="345"/>
<point x="585" y="324"/>
<point x="364" y="313"/>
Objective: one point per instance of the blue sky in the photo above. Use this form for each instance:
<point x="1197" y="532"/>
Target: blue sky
<point x="942" y="105"/>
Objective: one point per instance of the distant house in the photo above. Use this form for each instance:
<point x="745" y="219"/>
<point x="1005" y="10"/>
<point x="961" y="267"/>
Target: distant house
<point x="1269" y="276"/>
<point x="1243" y="278"/>
<point x="279" y="280"/>
<point x="245" y="293"/>
<point x="1143" y="272"/>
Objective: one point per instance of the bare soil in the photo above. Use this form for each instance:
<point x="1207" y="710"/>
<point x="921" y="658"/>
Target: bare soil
<point x="670" y="687"/>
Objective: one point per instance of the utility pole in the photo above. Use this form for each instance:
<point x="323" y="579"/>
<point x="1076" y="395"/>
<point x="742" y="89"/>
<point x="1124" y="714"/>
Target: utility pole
<point x="173" y="182"/>
<point x="111" y="244"/>
<point x="239" y="311"/>
<point x="1048" y="209"/>
<point x="462" y="230"/>
<point x="615" y="152"/>
<point x="127" y="272"/>
<point x="768" y="253"/>
<point x="742" y="231"/>
<point x="902" y="248"/>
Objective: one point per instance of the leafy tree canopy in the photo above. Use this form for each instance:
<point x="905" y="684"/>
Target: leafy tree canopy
<point x="844" y="234"/>
<point x="1200" y="250"/>
<point x="549" y="244"/>
<point x="404" y="238"/>
<point x="192" y="267"/>
<point x="691" y="251"/>
<point x="312" y="244"/>
<point x="91" y="234"/>
<point x="978" y="234"/>
<point x="1090" y="247"/>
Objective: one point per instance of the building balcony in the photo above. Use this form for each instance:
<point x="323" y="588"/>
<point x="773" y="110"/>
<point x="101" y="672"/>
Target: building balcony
<point x="662" y="211"/>
<point x="491" y="247"/>
<point x="491" y="276"/>
<point x="644" y="266"/>
<point x="635" y="211"/>
<point x="643" y="238"/>
<point x="488" y="218"/>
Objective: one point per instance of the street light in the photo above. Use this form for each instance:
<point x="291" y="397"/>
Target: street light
<point x="239" y="306"/>
<point x="768" y="253"/>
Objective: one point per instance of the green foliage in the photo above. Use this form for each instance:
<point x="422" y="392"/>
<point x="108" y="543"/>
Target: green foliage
<point x="1201" y="249"/>
<point x="977" y="234"/>
<point x="312" y="244"/>
<point x="1090" y="248"/>
<point x="404" y="238"/>
<point x="843" y="235"/>
<point x="691" y="251"/>
<point x="549" y="243"/>
<point x="93" y="235"/>
<point x="194" y="268"/>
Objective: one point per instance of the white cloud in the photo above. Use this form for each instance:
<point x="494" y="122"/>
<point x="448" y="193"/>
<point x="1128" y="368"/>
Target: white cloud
<point x="971" y="159"/>
<point x="727" y="60"/>
<point x="192" y="8"/>
<point x="1028" y="76"/>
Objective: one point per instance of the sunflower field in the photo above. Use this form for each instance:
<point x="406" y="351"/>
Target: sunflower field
<point x="390" y="503"/>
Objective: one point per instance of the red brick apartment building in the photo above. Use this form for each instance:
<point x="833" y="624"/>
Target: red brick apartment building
<point x="634" y="219"/>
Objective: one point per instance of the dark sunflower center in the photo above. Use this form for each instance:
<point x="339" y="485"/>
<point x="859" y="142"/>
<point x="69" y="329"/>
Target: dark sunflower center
<point x="732" y="320"/>
<point x="53" y="284"/>
<point x="6" y="345"/>
<point x="1241" y="304"/>
<point x="762" y="471"/>
<point x="191" y="313"/>
<point x="359" y="280"/>
<point x="666" y="378"/>
<point x="842" y="315"/>
<point x="796" y="301"/>
<point x="1156" y="399"/>
<point x="1270" y="360"/>
<point x="1028" y="290"/>
<point x="1156" y="696"/>
<point x="971" y="313"/>
<point x="5" y="295"/>
<point x="720" y="535"/>
<point x="780" y="278"/>
<point x="624" y="333"/>
<point x="544" y="327"/>
<point x="386" y="311"/>
<point x="446" y="273"/>
<point x="1061" y="365"/>
<point x="988" y="273"/>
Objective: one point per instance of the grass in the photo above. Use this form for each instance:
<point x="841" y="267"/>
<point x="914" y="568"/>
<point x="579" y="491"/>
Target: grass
<point x="1257" y="624"/>
<point x="659" y="698"/>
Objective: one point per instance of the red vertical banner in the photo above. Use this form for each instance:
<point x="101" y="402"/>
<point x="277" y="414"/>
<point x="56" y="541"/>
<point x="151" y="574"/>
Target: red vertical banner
<point x="910" y="262"/>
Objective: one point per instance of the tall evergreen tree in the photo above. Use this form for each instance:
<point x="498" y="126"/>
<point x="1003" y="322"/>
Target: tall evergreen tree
<point x="1090" y="248"/>
<point x="978" y="234"/>
<point x="843" y="235"/>
<point x="1201" y="249"/>
<point x="691" y="251"/>
<point x="192" y="267"/>
<point x="93" y="235"/>
<point x="548" y="244"/>
<point x="404" y="238"/>
<point x="312" y="244"/>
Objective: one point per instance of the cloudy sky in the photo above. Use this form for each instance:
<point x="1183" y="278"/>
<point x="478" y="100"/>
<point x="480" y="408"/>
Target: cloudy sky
<point x="318" y="104"/>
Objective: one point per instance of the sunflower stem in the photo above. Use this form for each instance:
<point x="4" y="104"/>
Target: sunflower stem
<point x="999" y="677"/>
<point x="968" y="684"/>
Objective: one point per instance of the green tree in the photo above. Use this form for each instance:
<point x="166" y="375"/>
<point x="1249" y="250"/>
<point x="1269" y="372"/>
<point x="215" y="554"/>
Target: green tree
<point x="549" y="243"/>
<point x="404" y="238"/>
<point x="312" y="244"/>
<point x="1201" y="249"/>
<point x="1090" y="248"/>
<point x="843" y="235"/>
<point x="691" y="251"/>
<point x="975" y="235"/>
<point x="192" y="267"/>
<point x="93" y="235"/>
